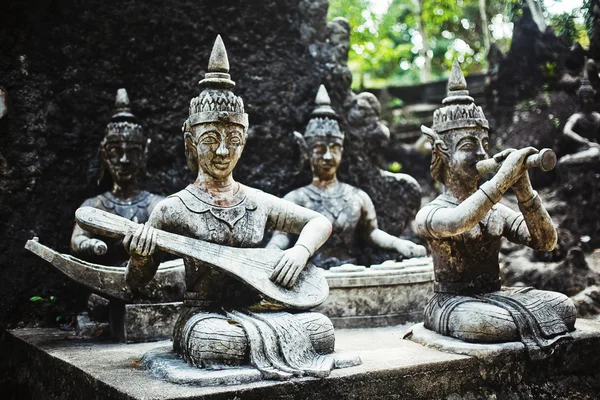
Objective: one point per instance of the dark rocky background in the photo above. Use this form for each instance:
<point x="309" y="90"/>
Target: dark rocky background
<point x="62" y="63"/>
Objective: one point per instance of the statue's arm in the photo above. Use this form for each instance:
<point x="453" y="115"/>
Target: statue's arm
<point x="312" y="227"/>
<point x="83" y="242"/>
<point x="141" y="245"/>
<point x="434" y="221"/>
<point x="532" y="227"/>
<point x="285" y="216"/>
<point x="371" y="232"/>
<point x="569" y="132"/>
<point x="280" y="239"/>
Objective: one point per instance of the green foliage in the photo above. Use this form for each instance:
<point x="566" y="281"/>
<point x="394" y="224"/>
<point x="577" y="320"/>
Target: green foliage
<point x="386" y="48"/>
<point x="395" y="167"/>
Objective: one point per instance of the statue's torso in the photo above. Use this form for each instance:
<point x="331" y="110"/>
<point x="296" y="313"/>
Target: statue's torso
<point x="468" y="262"/>
<point x="136" y="209"/>
<point x="241" y="225"/>
<point x="344" y="209"/>
<point x="587" y="125"/>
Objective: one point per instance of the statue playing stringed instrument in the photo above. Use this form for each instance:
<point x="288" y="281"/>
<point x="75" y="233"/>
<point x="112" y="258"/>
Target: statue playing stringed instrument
<point x="464" y="227"/>
<point x="242" y="302"/>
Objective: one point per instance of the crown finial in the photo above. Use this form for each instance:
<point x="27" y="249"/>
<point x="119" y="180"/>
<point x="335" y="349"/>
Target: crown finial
<point x="218" y="76"/>
<point x="586" y="88"/>
<point x="122" y="100"/>
<point x="322" y="98"/>
<point x="218" y="61"/>
<point x="323" y="104"/>
<point x="122" y="106"/>
<point x="457" y="79"/>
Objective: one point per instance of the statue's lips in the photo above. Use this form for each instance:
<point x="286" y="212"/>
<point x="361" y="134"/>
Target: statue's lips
<point x="221" y="164"/>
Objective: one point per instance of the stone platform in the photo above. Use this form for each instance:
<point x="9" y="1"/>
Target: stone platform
<point x="52" y="364"/>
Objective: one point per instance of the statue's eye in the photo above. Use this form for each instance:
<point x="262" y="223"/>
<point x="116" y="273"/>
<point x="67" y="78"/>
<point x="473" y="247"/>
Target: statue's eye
<point x="320" y="148"/>
<point x="335" y="147"/>
<point x="235" y="140"/>
<point x="486" y="145"/>
<point x="209" y="139"/>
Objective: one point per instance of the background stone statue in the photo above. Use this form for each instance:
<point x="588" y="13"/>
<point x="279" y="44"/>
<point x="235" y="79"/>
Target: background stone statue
<point x="349" y="209"/>
<point x="464" y="227"/>
<point x="123" y="153"/>
<point x="583" y="128"/>
<point x="225" y="322"/>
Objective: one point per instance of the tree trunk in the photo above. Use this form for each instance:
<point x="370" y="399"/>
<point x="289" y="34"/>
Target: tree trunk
<point x="536" y="13"/>
<point x="426" y="70"/>
<point x="484" y="26"/>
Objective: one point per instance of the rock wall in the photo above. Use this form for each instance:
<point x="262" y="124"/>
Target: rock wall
<point x="62" y="62"/>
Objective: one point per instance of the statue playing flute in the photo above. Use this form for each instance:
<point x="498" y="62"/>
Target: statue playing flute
<point x="464" y="227"/>
<point x="227" y="321"/>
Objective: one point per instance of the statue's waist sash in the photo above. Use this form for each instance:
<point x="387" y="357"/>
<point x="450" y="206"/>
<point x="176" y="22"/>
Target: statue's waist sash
<point x="475" y="286"/>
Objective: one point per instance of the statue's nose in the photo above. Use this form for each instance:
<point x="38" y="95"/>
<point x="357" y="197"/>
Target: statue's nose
<point x="222" y="149"/>
<point x="327" y="155"/>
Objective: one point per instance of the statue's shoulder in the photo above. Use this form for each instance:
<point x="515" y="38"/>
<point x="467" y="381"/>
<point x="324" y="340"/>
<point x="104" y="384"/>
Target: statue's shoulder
<point x="185" y="199"/>
<point x="298" y="196"/>
<point x="101" y="201"/>
<point x="422" y="219"/>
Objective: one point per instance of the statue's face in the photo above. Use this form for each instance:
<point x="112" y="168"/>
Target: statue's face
<point x="124" y="160"/>
<point x="587" y="102"/>
<point x="466" y="148"/>
<point x="362" y="112"/>
<point x="325" y="155"/>
<point x="219" y="146"/>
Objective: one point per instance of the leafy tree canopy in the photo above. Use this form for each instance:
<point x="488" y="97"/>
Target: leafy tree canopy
<point x="393" y="42"/>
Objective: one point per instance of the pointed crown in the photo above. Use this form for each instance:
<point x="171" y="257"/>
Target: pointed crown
<point x="586" y="88"/>
<point x="217" y="102"/>
<point x="323" y="121"/>
<point x="459" y="110"/>
<point x="123" y="125"/>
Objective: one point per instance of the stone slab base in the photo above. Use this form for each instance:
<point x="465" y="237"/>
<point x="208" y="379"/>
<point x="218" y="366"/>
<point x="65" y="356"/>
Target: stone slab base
<point x="384" y="295"/>
<point x="134" y="323"/>
<point x="51" y="364"/>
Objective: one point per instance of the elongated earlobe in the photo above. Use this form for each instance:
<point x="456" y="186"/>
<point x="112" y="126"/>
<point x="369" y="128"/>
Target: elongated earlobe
<point x="303" y="150"/>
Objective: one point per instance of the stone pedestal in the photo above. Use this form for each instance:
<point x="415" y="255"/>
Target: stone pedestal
<point x="51" y="364"/>
<point x="387" y="294"/>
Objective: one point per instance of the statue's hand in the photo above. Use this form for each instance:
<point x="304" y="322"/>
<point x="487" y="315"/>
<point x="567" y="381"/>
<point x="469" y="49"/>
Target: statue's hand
<point x="97" y="246"/>
<point x="513" y="166"/>
<point x="142" y="242"/>
<point x="289" y="267"/>
<point x="409" y="249"/>
<point x="594" y="144"/>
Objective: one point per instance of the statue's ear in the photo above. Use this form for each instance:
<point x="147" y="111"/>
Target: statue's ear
<point x="191" y="153"/>
<point x="438" y="147"/>
<point x="303" y="149"/>
<point x="430" y="133"/>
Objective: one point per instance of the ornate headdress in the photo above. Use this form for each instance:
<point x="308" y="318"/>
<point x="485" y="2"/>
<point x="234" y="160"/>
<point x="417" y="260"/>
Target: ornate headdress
<point x="217" y="102"/>
<point x="123" y="125"/>
<point x="459" y="110"/>
<point x="586" y="88"/>
<point x="323" y="120"/>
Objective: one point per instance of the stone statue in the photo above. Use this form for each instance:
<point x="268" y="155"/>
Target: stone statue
<point x="123" y="152"/>
<point x="464" y="227"/>
<point x="583" y="128"/>
<point x="232" y="314"/>
<point x="349" y="209"/>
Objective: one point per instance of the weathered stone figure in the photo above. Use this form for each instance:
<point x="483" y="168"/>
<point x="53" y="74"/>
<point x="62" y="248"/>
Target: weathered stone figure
<point x="583" y="128"/>
<point x="224" y="321"/>
<point x="464" y="226"/>
<point x="349" y="209"/>
<point x="123" y="151"/>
